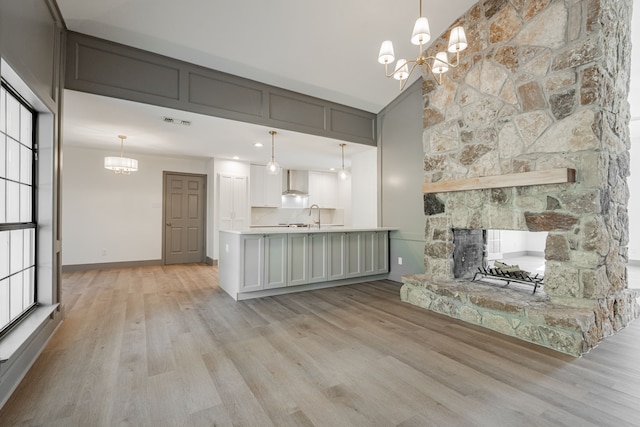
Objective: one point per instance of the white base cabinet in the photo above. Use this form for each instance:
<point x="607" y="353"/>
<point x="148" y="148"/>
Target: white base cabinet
<point x="355" y="254"/>
<point x="254" y="264"/>
<point x="298" y="267"/>
<point x="262" y="262"/>
<point x="307" y="258"/>
<point x="375" y="252"/>
<point x="275" y="261"/>
<point x="337" y="256"/>
<point x="318" y="257"/>
<point x="251" y="275"/>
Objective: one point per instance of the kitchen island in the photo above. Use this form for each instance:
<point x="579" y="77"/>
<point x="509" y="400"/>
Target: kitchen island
<point x="260" y="262"/>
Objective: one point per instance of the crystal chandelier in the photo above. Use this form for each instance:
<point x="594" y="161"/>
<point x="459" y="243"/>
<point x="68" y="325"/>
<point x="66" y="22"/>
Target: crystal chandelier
<point x="121" y="165"/>
<point x="437" y="65"/>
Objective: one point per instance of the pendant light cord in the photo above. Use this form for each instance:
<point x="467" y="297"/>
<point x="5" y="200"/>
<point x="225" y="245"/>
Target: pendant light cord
<point x="273" y="133"/>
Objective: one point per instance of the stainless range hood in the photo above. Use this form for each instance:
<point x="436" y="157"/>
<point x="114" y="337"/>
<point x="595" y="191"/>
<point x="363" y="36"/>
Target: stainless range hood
<point x="295" y="183"/>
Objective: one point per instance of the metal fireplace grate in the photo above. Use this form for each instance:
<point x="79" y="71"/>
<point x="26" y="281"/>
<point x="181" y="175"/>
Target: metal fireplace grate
<point x="510" y="274"/>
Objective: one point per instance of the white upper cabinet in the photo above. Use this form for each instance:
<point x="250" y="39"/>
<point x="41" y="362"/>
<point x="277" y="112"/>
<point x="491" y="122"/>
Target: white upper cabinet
<point x="323" y="190"/>
<point x="266" y="190"/>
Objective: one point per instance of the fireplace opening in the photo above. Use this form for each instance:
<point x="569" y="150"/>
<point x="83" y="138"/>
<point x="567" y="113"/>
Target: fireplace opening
<point x="500" y="257"/>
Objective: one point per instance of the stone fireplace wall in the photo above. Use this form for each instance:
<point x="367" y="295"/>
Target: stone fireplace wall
<point x="543" y="84"/>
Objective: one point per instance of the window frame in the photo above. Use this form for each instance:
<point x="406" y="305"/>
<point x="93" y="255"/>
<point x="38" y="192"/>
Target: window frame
<point x="33" y="223"/>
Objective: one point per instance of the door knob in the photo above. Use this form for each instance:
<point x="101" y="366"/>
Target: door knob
<point x="168" y="224"/>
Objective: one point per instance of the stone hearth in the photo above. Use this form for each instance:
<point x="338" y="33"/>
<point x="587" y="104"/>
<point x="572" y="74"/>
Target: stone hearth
<point x="530" y="317"/>
<point x="543" y="85"/>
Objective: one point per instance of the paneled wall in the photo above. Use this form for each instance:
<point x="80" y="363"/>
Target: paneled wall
<point x="106" y="68"/>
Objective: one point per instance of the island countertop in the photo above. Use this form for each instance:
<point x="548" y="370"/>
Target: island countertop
<point x="296" y="230"/>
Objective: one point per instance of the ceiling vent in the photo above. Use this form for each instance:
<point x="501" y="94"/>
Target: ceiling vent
<point x="176" y="121"/>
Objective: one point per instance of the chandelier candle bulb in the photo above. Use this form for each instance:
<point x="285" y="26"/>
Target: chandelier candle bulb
<point x="457" y="40"/>
<point x="402" y="70"/>
<point x="421" y="33"/>
<point x="440" y="63"/>
<point x="386" y="55"/>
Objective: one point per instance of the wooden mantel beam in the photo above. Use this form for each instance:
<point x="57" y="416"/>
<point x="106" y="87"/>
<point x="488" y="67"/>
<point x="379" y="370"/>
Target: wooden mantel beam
<point x="550" y="176"/>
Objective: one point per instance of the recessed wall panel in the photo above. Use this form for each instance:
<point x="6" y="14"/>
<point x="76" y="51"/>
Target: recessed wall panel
<point x="176" y="239"/>
<point x="176" y="206"/>
<point x="193" y="206"/>
<point x="297" y="111"/>
<point x="352" y="124"/>
<point x="193" y="185"/>
<point x="192" y="239"/>
<point x="228" y="96"/>
<point x="123" y="72"/>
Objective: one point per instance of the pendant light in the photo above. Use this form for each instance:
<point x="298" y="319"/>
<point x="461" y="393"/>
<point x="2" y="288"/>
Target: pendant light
<point x="272" y="167"/>
<point x="121" y="165"/>
<point x="343" y="174"/>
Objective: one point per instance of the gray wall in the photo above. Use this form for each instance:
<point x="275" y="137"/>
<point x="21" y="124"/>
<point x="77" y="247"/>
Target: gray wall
<point x="31" y="45"/>
<point x="401" y="154"/>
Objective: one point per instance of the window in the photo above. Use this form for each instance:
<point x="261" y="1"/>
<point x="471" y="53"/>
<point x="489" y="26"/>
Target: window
<point x="17" y="208"/>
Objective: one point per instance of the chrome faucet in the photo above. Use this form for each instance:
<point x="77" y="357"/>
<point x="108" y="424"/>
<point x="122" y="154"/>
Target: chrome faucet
<point x="311" y="209"/>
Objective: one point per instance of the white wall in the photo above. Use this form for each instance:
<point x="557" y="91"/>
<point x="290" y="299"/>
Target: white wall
<point x="634" y="200"/>
<point x="634" y="180"/>
<point x="114" y="218"/>
<point x="522" y="241"/>
<point x="364" y="189"/>
<point x="212" y="244"/>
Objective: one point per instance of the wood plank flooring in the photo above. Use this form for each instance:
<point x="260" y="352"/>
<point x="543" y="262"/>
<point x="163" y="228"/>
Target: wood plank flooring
<point x="165" y="346"/>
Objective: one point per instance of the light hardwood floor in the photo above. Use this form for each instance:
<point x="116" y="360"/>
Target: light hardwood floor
<point x="164" y="346"/>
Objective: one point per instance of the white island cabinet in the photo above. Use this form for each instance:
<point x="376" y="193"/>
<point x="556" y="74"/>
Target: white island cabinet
<point x="262" y="262"/>
<point x="307" y="258"/>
